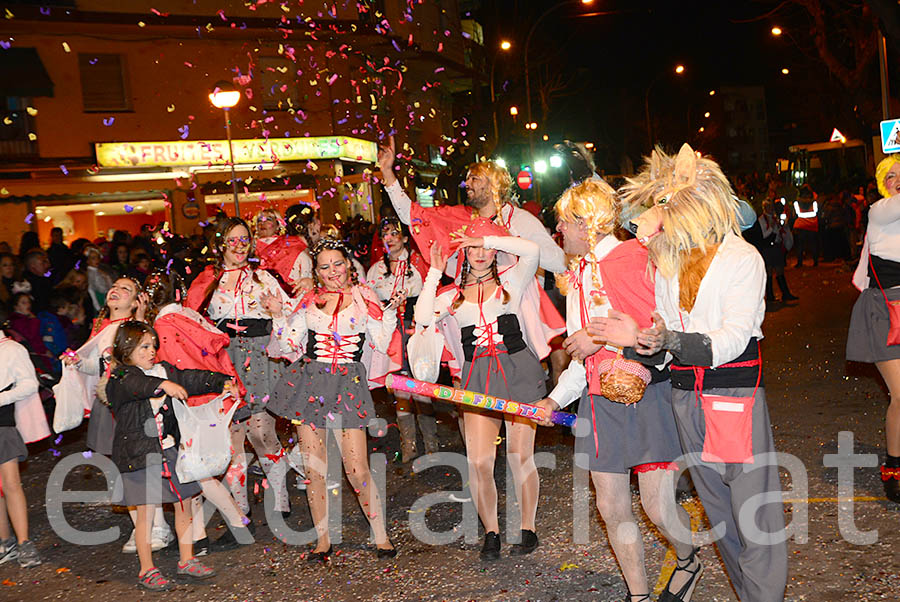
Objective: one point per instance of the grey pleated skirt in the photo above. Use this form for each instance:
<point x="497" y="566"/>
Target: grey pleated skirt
<point x="521" y="378"/>
<point x="101" y="429"/>
<point x="627" y="435"/>
<point x="12" y="447"/>
<point x="259" y="375"/>
<point x="309" y="393"/>
<point x="869" y="326"/>
<point x="149" y="486"/>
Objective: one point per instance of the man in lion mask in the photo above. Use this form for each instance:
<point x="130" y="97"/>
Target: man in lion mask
<point x="710" y="306"/>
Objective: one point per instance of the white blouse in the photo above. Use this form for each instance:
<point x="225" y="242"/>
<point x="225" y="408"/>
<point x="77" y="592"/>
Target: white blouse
<point x="430" y="308"/>
<point x="404" y="277"/>
<point x="337" y="340"/>
<point x="245" y="300"/>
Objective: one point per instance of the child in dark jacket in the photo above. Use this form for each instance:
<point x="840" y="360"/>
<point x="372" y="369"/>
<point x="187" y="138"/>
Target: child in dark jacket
<point x="146" y="439"/>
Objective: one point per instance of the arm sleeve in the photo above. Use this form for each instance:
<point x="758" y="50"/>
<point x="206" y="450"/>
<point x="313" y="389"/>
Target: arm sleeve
<point x="24" y="382"/>
<point x="401" y="202"/>
<point x="381" y="331"/>
<point x="198" y="382"/>
<point x="885" y="211"/>
<point x="528" y="252"/>
<point x="429" y="308"/>
<point x="305" y="264"/>
<point x="291" y="330"/>
<point x="741" y="307"/>
<point x="552" y="258"/>
<point x="130" y="384"/>
<point x="570" y="385"/>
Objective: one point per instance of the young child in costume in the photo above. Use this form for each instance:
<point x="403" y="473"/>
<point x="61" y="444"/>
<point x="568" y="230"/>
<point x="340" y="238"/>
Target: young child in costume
<point x="139" y="392"/>
<point x="188" y="341"/>
<point x="877" y="277"/>
<point x="337" y="328"/>
<point x="486" y="303"/>
<point x="398" y="273"/>
<point x="18" y="392"/>
<point x="709" y="290"/>
<point x="640" y="437"/>
<point x="230" y="292"/>
<point x="125" y="300"/>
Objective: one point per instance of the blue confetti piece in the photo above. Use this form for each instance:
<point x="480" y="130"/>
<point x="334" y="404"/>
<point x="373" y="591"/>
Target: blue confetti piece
<point x="128" y="208"/>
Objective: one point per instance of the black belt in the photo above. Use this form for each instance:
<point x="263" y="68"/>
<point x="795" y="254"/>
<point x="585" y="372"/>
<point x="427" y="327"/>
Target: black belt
<point x="507" y="326"/>
<point x="246" y="328"/>
<point x="724" y="376"/>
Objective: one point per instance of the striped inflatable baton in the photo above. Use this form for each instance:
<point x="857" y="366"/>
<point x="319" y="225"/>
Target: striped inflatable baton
<point x="476" y="400"/>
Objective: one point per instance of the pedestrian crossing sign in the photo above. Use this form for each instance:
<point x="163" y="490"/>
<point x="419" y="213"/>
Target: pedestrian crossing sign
<point x="890" y="136"/>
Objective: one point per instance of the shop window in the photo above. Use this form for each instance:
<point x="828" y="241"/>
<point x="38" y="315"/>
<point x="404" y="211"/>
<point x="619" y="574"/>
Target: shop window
<point x="103" y="82"/>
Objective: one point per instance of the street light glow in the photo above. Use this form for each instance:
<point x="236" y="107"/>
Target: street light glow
<point x="513" y="110"/>
<point x="679" y="69"/>
<point x="776" y="31"/>
<point x="546" y="137"/>
<point x="555" y="161"/>
<point x="501" y="162"/>
<point x="701" y="130"/>
<point x="706" y="114"/>
<point x="224" y="95"/>
<point x="587" y="1"/>
<point x="540" y="166"/>
<point x="785" y="71"/>
<point x="712" y="92"/>
<point x="505" y="45"/>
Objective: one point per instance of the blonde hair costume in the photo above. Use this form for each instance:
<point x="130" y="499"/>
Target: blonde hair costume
<point x="501" y="181"/>
<point x="884" y="166"/>
<point x="691" y="199"/>
<point x="594" y="202"/>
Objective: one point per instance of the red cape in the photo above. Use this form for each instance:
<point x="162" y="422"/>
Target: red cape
<point x="280" y="255"/>
<point x="196" y="296"/>
<point x="436" y="224"/>
<point x="188" y="346"/>
<point x="417" y="260"/>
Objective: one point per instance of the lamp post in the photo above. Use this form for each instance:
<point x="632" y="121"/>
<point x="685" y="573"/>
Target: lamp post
<point x="679" y="69"/>
<point x="505" y="45"/>
<point x="224" y="96"/>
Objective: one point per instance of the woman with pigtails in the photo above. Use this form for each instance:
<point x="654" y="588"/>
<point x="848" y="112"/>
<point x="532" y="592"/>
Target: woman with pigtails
<point x="639" y="437"/>
<point x="400" y="272"/>
<point x="230" y="293"/>
<point x="485" y="302"/>
<point x="709" y="292"/>
<point x="339" y="329"/>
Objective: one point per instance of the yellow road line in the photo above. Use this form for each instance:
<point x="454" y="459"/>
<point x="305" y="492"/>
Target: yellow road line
<point x="825" y="500"/>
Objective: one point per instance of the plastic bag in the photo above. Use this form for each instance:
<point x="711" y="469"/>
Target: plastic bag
<point x="74" y="394"/>
<point x="424" y="349"/>
<point x="205" y="448"/>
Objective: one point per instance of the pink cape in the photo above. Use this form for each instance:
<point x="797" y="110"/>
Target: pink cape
<point x="189" y="342"/>
<point x="196" y="296"/>
<point x="280" y="255"/>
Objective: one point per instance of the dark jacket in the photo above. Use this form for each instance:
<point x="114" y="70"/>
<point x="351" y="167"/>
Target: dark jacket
<point x="129" y="391"/>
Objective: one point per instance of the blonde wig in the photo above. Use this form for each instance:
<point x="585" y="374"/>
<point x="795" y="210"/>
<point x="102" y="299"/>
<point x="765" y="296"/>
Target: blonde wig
<point x="594" y="202"/>
<point x="501" y="181"/>
<point x="885" y="166"/>
<point x="271" y="214"/>
<point x="694" y="199"/>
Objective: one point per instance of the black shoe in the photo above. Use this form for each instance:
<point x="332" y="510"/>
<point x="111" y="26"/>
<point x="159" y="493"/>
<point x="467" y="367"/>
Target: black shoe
<point x="891" y="479"/>
<point x="687" y="590"/>
<point x="201" y="547"/>
<point x="314" y="557"/>
<point x="228" y="541"/>
<point x="527" y="546"/>
<point x="491" y="548"/>
<point x="386" y="553"/>
<point x="788" y="297"/>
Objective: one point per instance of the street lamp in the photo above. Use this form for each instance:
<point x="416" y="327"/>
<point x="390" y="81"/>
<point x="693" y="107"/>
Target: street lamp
<point x="785" y="71"/>
<point x="513" y="110"/>
<point x="776" y="31"/>
<point x="679" y="69"/>
<point x="505" y="45"/>
<point x="224" y="96"/>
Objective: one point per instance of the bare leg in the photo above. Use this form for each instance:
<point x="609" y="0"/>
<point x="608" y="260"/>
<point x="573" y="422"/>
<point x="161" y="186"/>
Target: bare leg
<point x="614" y="504"/>
<point x="142" y="526"/>
<point x="890" y="372"/>
<point x="481" y="452"/>
<point x="183" y="530"/>
<point x="15" y="498"/>
<point x="312" y="444"/>
<point x="262" y="435"/>
<point x="218" y="494"/>
<point x="354" y="450"/>
<point x="5" y="533"/>
<point x="236" y="477"/>
<point x="520" y="434"/>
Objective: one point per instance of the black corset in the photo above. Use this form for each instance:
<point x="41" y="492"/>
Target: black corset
<point x="311" y="351"/>
<point x="507" y="326"/>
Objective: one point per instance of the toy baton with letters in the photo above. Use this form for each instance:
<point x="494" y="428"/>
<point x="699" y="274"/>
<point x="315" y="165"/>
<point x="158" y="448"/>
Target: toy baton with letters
<point x="477" y="400"/>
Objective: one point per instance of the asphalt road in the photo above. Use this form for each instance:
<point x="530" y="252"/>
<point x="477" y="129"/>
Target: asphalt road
<point x="813" y="395"/>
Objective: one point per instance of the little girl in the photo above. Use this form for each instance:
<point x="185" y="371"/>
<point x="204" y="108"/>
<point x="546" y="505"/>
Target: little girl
<point x="138" y="391"/>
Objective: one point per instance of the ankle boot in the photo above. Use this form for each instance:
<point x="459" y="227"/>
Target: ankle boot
<point x="428" y="426"/>
<point x="406" y="423"/>
<point x="891" y="479"/>
<point x="785" y="291"/>
<point x="276" y="472"/>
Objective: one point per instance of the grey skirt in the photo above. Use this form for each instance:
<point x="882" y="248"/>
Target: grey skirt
<point x="101" y="429"/>
<point x="869" y="326"/>
<point x="149" y="486"/>
<point x="517" y="377"/>
<point x="259" y="375"/>
<point x="12" y="447"/>
<point x="309" y="393"/>
<point x="627" y="435"/>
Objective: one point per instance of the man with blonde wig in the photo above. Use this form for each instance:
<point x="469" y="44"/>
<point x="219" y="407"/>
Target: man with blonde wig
<point x="614" y="439"/>
<point x="710" y="308"/>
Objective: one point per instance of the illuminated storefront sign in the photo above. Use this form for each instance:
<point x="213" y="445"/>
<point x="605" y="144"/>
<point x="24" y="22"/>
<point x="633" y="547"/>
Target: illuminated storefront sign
<point x="246" y="152"/>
